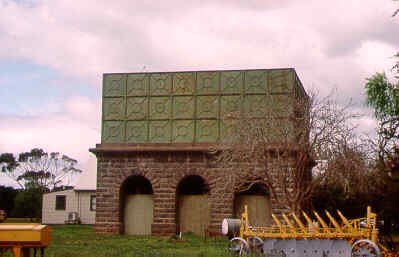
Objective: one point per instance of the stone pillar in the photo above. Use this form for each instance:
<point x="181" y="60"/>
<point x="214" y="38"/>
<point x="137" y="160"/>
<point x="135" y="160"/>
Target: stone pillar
<point x="164" y="209"/>
<point x="107" y="196"/>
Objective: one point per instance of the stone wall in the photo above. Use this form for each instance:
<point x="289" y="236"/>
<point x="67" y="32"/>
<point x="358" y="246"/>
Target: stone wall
<point x="164" y="170"/>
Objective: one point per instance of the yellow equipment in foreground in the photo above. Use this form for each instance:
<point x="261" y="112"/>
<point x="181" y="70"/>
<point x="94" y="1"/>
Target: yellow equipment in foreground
<point x="292" y="236"/>
<point x="20" y="238"/>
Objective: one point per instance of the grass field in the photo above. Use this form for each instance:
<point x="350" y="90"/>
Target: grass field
<point x="81" y="241"/>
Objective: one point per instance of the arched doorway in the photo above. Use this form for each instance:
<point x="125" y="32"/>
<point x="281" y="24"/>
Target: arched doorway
<point x="137" y="206"/>
<point x="192" y="212"/>
<point x="258" y="201"/>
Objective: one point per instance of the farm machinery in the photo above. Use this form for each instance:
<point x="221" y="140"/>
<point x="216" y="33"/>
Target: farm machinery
<point x="303" y="236"/>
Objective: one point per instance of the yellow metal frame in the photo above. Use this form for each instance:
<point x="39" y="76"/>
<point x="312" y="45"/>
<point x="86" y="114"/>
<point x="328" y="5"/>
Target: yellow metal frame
<point x="292" y="227"/>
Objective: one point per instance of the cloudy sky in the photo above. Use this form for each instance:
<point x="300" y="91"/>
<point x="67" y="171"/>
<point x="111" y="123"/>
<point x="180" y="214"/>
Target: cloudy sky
<point x="53" y="54"/>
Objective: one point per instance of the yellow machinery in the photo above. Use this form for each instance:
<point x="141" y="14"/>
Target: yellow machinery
<point x="21" y="238"/>
<point x="293" y="236"/>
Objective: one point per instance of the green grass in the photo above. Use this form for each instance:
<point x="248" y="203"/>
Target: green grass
<point x="80" y="240"/>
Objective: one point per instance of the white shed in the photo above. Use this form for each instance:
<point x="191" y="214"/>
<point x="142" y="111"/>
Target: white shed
<point x="58" y="205"/>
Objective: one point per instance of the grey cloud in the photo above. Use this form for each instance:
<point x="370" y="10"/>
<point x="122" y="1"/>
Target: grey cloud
<point x="320" y="39"/>
<point x="343" y="43"/>
<point x="95" y="37"/>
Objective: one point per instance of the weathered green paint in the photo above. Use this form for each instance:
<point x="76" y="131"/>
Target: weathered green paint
<point x="160" y="108"/>
<point x="256" y="81"/>
<point x="183" y="107"/>
<point x="161" y="84"/>
<point x="184" y="83"/>
<point x="207" y="107"/>
<point x="183" y="131"/>
<point x="114" y="85"/>
<point x="231" y="106"/>
<point x="254" y="105"/>
<point x="227" y="127"/>
<point x="114" y="108"/>
<point x="232" y="82"/>
<point x="189" y="107"/>
<point x="281" y="104"/>
<point x="280" y="83"/>
<point x="113" y="132"/>
<point x="207" y="130"/>
<point x="137" y="85"/>
<point x="207" y="82"/>
<point x="136" y="131"/>
<point x="136" y="108"/>
<point x="160" y="131"/>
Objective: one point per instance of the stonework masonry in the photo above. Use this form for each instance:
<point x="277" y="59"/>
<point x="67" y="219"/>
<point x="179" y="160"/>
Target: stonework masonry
<point x="164" y="170"/>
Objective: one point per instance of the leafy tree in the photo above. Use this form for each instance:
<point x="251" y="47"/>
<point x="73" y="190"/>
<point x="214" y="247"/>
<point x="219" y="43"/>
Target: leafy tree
<point x="8" y="162"/>
<point x="36" y="172"/>
<point x="38" y="169"/>
<point x="383" y="96"/>
<point x="7" y="196"/>
<point x="28" y="203"/>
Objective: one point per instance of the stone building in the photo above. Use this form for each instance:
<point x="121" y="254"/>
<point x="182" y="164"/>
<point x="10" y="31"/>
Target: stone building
<point x="159" y="131"/>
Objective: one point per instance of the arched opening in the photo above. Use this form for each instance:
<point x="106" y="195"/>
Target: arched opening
<point x="192" y="207"/>
<point x="137" y="206"/>
<point x="258" y="201"/>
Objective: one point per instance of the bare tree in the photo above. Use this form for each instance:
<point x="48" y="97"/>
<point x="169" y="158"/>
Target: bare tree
<point x="38" y="169"/>
<point x="280" y="147"/>
<point x="352" y="172"/>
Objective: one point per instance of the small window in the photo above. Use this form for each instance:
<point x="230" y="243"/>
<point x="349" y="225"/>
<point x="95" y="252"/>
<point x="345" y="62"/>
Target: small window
<point x="92" y="203"/>
<point x="60" y="202"/>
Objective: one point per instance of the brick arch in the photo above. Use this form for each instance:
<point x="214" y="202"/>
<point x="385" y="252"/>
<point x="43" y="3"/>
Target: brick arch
<point x="136" y="192"/>
<point x="150" y="176"/>
<point x="192" y="204"/>
<point x="177" y="179"/>
<point x="205" y="190"/>
<point x="143" y="180"/>
<point x="254" y="188"/>
<point x="257" y="199"/>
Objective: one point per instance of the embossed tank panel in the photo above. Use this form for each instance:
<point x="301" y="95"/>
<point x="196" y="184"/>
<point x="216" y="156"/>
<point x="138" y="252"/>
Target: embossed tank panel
<point x="192" y="107"/>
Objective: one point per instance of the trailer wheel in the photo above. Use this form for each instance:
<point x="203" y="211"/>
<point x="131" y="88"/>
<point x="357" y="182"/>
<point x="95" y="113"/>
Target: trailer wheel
<point x="255" y="243"/>
<point x="239" y="247"/>
<point x="365" y="248"/>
